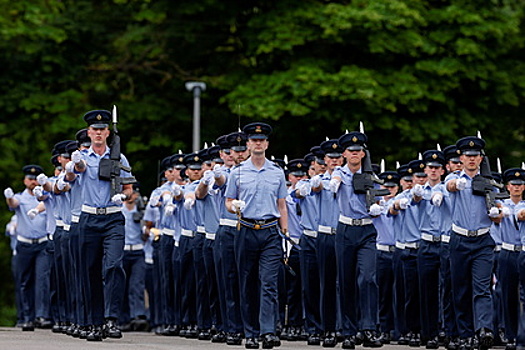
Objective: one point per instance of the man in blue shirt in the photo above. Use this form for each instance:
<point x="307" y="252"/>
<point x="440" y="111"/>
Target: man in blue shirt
<point x="101" y="230"/>
<point x="256" y="192"/>
<point x="471" y="248"/>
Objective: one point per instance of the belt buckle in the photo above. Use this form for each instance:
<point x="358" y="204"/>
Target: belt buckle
<point x="35" y="240"/>
<point x="101" y="211"/>
<point x="472" y="233"/>
<point x="332" y="230"/>
<point x="436" y="238"/>
<point x="517" y="248"/>
<point x="257" y="226"/>
<point x="392" y="248"/>
<point x="357" y="222"/>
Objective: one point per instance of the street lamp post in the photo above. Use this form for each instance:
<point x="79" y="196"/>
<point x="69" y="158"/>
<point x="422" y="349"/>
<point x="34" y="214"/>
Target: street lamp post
<point x="197" y="87"/>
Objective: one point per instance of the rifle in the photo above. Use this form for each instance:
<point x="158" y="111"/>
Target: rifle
<point x="109" y="169"/>
<point x="483" y="185"/>
<point x="364" y="183"/>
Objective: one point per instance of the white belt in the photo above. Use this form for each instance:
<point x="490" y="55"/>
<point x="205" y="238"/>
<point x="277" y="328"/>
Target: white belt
<point x="412" y="245"/>
<point x="75" y="219"/>
<point x="49" y="237"/>
<point x="139" y="246"/>
<point x="295" y="240"/>
<point x="354" y="222"/>
<point x="201" y="229"/>
<point x="100" y="211"/>
<point x="149" y="261"/>
<point x="67" y="227"/>
<point x="228" y="222"/>
<point x="430" y="238"/>
<point x="210" y="236"/>
<point x="400" y="245"/>
<point x="511" y="247"/>
<point x="445" y="238"/>
<point x="60" y="223"/>
<point x="187" y="233"/>
<point x="32" y="240"/>
<point x="470" y="233"/>
<point x="385" y="248"/>
<point x="310" y="233"/>
<point x="168" y="232"/>
<point x="497" y="248"/>
<point x="326" y="229"/>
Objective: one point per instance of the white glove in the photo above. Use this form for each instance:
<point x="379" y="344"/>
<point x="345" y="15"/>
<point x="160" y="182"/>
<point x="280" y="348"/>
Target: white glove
<point x="238" y="205"/>
<point x="169" y="209"/>
<point x="375" y="210"/>
<point x="61" y="183"/>
<point x="32" y="213"/>
<point x="315" y="181"/>
<point x="437" y="199"/>
<point x="176" y="190"/>
<point x="217" y="171"/>
<point x="189" y="203"/>
<point x="154" y="201"/>
<point x="206" y="177"/>
<point x="494" y="212"/>
<point x="403" y="203"/>
<point x="118" y="199"/>
<point x="8" y="193"/>
<point x="76" y="157"/>
<point x="461" y="184"/>
<point x="166" y="198"/>
<point x="70" y="167"/>
<point x="334" y="185"/>
<point x="304" y="189"/>
<point x="506" y="212"/>
<point x="38" y="191"/>
<point x="41" y="179"/>
<point x="418" y="190"/>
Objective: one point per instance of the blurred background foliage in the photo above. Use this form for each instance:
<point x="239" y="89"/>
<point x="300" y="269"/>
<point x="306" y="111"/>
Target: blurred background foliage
<point x="417" y="73"/>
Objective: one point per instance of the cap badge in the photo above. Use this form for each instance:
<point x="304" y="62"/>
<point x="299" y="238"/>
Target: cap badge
<point x="421" y="165"/>
<point x="196" y="158"/>
<point x="434" y="156"/>
<point x="334" y="145"/>
<point x="517" y="174"/>
<point x="299" y="165"/>
<point x="258" y="128"/>
<point x="354" y="139"/>
<point x="389" y="177"/>
<point x="33" y="170"/>
<point x="99" y="117"/>
<point x="458" y="151"/>
<point x="181" y="159"/>
<point x="409" y="171"/>
<point x="471" y="143"/>
<point x="239" y="139"/>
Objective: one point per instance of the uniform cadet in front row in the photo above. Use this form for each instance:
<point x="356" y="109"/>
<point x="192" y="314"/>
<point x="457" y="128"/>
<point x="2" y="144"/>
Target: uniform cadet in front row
<point x="101" y="231"/>
<point x="256" y="191"/>
<point x="355" y="247"/>
<point x="32" y="258"/>
<point x="471" y="248"/>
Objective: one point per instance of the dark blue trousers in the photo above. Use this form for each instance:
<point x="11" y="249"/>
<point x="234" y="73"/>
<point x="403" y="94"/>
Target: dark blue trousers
<point x="471" y="261"/>
<point x="399" y="294"/>
<point x="202" y="288"/>
<point x="258" y="254"/>
<point x="428" y="262"/>
<point x="33" y="272"/>
<point x="77" y="278"/>
<point x="449" y="315"/>
<point x="411" y="278"/>
<point x="385" y="282"/>
<point x="356" y="264"/>
<point x="294" y="294"/>
<point x="68" y="279"/>
<point x="101" y="249"/>
<point x="60" y="276"/>
<point x="175" y="259"/>
<point x="187" y="281"/>
<point x="150" y="311"/>
<point x="310" y="284"/>
<point x="166" y="278"/>
<point x="233" y="319"/>
<point x="208" y="254"/>
<point x="135" y="269"/>
<point x="327" y="264"/>
<point x="158" y="314"/>
<point x="509" y="279"/>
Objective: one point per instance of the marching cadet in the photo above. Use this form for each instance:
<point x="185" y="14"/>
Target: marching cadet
<point x="385" y="245"/>
<point x="101" y="231"/>
<point x="294" y="327"/>
<point x="508" y="272"/>
<point x="428" y="256"/>
<point x="355" y="247"/>
<point x="32" y="258"/>
<point x="134" y="308"/>
<point x="471" y="248"/>
<point x="410" y="237"/>
<point x="256" y="192"/>
<point x="235" y="152"/>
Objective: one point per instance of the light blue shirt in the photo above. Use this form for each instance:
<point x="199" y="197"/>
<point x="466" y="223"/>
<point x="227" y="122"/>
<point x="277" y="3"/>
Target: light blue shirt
<point x="259" y="188"/>
<point x="210" y="207"/>
<point x="132" y="229"/>
<point x="309" y="219"/>
<point x="409" y="231"/>
<point x="328" y="204"/>
<point x="224" y="213"/>
<point x="28" y="228"/>
<point x="294" y="220"/>
<point x="507" y="229"/>
<point x="384" y="225"/>
<point x="76" y="196"/>
<point x="63" y="205"/>
<point x="446" y="204"/>
<point x="96" y="191"/>
<point x="351" y="205"/>
<point x="468" y="211"/>
<point x="430" y="220"/>
<point x="187" y="217"/>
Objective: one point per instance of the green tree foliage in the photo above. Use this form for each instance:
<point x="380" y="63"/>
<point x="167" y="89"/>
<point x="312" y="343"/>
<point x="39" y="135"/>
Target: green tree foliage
<point x="415" y="72"/>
